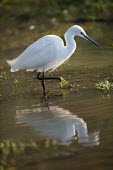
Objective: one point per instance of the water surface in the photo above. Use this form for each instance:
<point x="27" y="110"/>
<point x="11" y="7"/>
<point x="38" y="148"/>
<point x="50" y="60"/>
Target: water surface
<point x="81" y="117"/>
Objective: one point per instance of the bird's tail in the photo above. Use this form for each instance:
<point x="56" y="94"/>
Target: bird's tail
<point x="11" y="63"/>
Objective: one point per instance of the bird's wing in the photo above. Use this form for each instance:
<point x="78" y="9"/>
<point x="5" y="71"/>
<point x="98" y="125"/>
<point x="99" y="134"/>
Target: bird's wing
<point x="38" y="54"/>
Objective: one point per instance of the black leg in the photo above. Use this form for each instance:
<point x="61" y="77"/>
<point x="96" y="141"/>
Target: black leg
<point x="53" y="78"/>
<point x="62" y="81"/>
<point x="43" y="82"/>
<point x="47" y="78"/>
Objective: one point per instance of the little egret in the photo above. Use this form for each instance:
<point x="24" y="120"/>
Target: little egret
<point x="49" y="52"/>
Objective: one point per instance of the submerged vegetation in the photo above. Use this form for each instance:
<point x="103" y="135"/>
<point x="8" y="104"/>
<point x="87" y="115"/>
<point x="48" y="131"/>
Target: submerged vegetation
<point x="17" y="154"/>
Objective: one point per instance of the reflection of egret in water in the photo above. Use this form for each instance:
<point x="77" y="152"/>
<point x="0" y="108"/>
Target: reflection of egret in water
<point x="57" y="123"/>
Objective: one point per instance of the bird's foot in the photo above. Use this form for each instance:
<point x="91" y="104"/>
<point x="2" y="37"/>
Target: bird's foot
<point x="64" y="82"/>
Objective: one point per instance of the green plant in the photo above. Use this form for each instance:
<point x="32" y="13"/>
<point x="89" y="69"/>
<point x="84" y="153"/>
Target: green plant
<point x="3" y="75"/>
<point x="105" y="86"/>
<point x="16" y="81"/>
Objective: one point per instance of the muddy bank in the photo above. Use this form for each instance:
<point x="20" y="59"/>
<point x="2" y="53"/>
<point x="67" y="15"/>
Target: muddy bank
<point x="24" y="84"/>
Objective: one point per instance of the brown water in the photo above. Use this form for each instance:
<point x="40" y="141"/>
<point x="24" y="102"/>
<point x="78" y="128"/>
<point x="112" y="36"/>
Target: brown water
<point x="81" y="116"/>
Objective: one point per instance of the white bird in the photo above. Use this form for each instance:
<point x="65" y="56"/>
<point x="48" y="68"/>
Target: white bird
<point x="49" y="52"/>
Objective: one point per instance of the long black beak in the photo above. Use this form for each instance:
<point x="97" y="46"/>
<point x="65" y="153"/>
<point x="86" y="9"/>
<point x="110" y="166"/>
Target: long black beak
<point x="88" y="38"/>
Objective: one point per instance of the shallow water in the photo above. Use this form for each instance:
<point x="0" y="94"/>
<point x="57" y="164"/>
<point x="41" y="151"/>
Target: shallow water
<point x="81" y="116"/>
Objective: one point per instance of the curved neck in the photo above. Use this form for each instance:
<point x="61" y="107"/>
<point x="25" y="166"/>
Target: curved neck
<point x="70" y="42"/>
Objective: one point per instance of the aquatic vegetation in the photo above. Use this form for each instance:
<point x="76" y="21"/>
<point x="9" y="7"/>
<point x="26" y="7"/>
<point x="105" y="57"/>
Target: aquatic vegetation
<point x="13" y="152"/>
<point x="105" y="86"/>
<point x="16" y="81"/>
<point x="3" y="75"/>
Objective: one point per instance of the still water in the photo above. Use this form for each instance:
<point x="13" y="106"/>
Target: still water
<point x="81" y="117"/>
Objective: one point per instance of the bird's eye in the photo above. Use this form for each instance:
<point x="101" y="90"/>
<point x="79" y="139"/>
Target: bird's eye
<point x="81" y="33"/>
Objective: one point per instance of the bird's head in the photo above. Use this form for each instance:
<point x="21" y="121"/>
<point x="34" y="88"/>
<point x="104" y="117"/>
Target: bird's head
<point x="79" y="31"/>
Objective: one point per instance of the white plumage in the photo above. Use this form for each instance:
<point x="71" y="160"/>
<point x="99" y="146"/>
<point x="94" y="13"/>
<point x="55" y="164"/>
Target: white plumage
<point x="39" y="55"/>
<point x="49" y="52"/>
